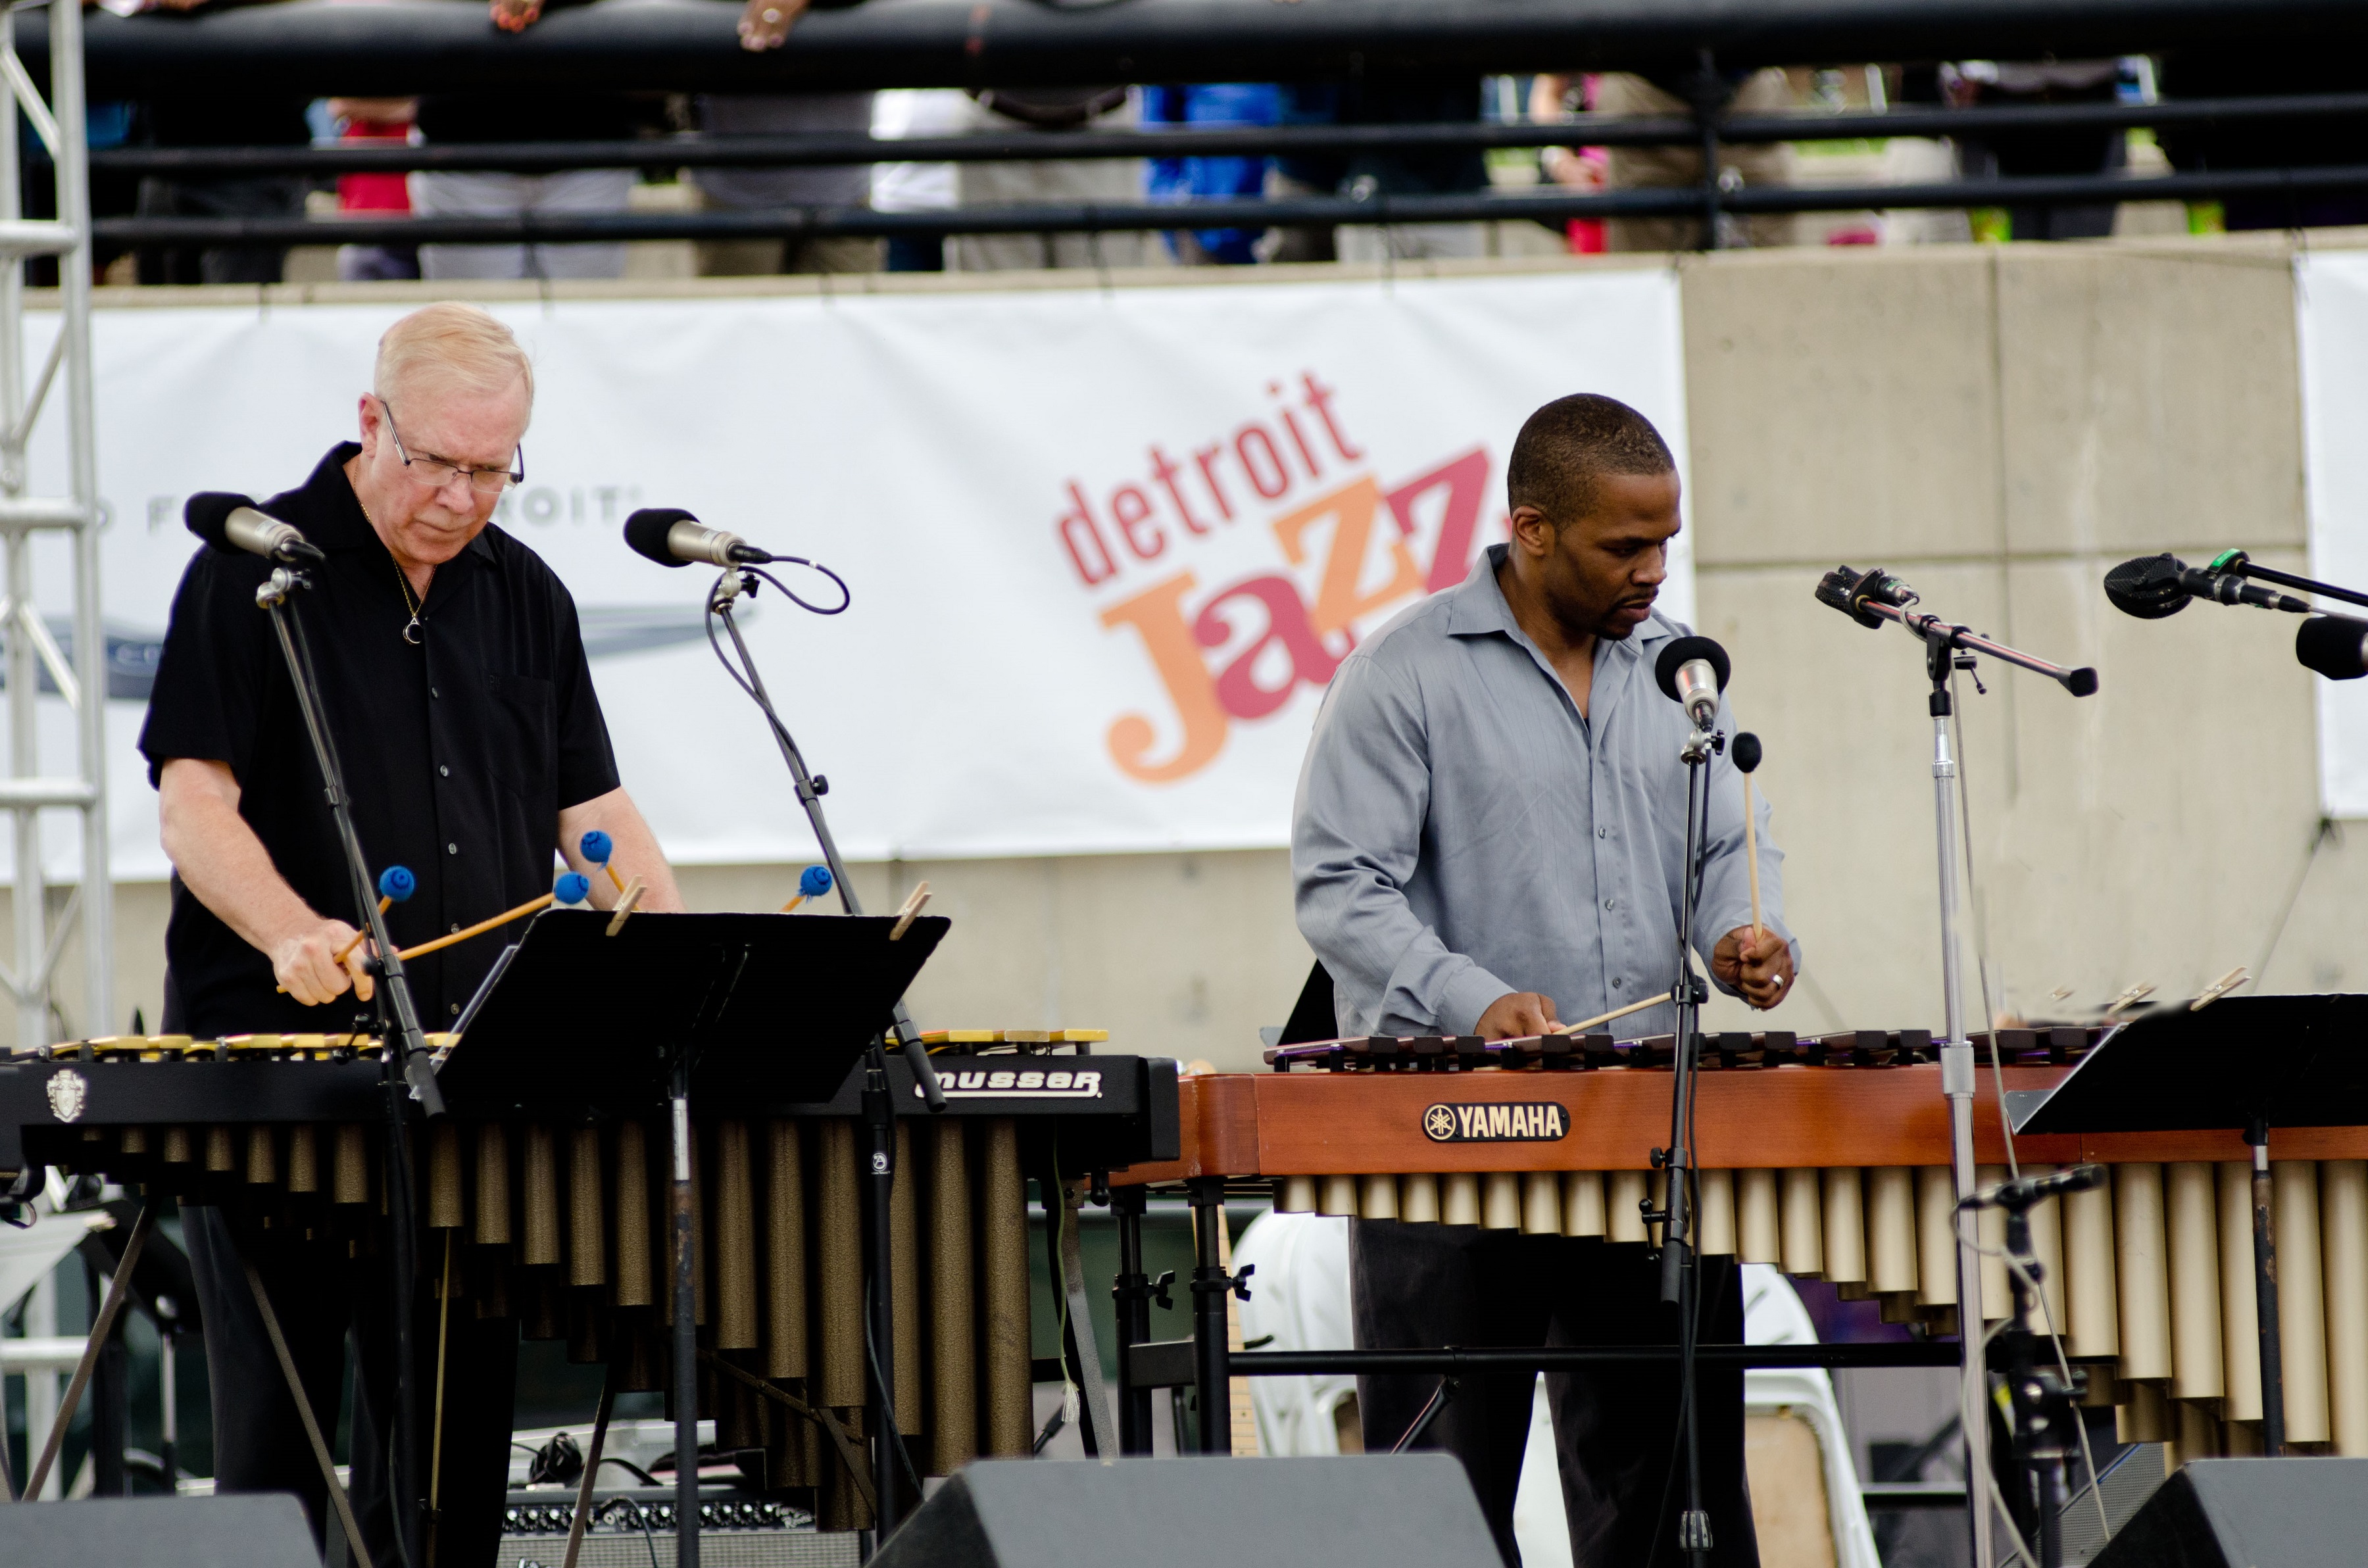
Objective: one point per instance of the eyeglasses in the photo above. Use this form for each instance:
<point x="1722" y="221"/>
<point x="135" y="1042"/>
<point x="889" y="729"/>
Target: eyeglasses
<point x="438" y="474"/>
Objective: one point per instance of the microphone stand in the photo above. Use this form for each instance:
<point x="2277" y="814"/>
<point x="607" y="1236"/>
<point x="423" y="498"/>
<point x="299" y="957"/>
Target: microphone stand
<point x="1680" y="1275"/>
<point x="410" y="1071"/>
<point x="2244" y="565"/>
<point x="878" y="1169"/>
<point x="1871" y="599"/>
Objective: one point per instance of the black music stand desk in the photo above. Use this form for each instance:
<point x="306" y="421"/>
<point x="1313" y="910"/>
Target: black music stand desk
<point x="775" y="1008"/>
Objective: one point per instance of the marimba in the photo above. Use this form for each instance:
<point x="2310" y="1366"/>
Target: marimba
<point x="1828" y="1157"/>
<point x="560" y="1219"/>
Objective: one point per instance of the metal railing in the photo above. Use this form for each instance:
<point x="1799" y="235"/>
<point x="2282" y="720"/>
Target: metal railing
<point x="395" y="47"/>
<point x="1708" y="199"/>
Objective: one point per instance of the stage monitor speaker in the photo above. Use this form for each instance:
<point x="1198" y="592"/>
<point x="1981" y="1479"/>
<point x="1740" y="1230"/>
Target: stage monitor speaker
<point x="265" y="1530"/>
<point x="1310" y="1513"/>
<point x="2288" y="1513"/>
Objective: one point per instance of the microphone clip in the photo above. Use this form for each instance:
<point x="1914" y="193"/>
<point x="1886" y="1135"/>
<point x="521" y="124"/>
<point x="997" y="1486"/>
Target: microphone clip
<point x="273" y="591"/>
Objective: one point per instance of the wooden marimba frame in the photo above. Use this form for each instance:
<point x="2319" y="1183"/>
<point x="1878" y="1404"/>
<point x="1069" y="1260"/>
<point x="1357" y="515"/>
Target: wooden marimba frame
<point x="1836" y="1171"/>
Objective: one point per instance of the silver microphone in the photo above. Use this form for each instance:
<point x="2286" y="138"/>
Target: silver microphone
<point x="672" y="537"/>
<point x="231" y="522"/>
<point x="258" y="533"/>
<point x="1692" y="672"/>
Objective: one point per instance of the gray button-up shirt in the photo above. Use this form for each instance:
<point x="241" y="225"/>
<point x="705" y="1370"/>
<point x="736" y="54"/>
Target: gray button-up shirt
<point x="1461" y="830"/>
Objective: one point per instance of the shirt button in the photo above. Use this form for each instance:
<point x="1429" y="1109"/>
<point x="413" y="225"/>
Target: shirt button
<point x="456" y="1009"/>
<point x="433" y="692"/>
<point x="442" y="771"/>
<point x="1615" y="978"/>
<point x="1603" y="832"/>
<point x="455" y="850"/>
<point x="456" y="926"/>
<point x="1607" y="904"/>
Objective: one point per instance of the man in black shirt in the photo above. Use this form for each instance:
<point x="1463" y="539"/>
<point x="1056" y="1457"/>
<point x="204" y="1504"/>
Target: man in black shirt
<point x="454" y="680"/>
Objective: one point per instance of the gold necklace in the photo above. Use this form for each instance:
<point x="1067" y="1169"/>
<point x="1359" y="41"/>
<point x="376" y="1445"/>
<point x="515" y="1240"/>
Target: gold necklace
<point x="402" y="580"/>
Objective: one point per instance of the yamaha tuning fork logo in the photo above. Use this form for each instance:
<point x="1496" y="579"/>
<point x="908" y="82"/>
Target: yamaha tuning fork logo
<point x="1530" y="1123"/>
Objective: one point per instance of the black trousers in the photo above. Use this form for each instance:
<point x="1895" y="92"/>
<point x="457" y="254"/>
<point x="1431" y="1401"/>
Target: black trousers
<point x="318" y="1295"/>
<point x="1427" y="1287"/>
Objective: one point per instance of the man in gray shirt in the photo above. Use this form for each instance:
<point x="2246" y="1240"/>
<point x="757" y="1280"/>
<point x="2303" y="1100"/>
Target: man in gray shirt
<point x="1489" y="837"/>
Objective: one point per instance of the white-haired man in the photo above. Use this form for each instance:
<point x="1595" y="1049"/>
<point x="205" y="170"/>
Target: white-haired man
<point x="453" y="674"/>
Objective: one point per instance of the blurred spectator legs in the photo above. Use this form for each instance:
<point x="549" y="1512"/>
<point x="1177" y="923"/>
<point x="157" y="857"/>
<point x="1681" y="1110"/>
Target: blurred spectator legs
<point x="575" y="191"/>
<point x="1973" y="83"/>
<point x="362" y="122"/>
<point x="1211" y="106"/>
<point x="266" y="196"/>
<point x="1409" y="241"/>
<point x="1640" y="169"/>
<point x="725" y="115"/>
<point x="1116" y="182"/>
<point x="917" y="187"/>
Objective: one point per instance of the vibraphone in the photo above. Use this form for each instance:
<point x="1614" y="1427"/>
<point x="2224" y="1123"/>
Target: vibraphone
<point x="1828" y="1157"/>
<point x="560" y="1219"/>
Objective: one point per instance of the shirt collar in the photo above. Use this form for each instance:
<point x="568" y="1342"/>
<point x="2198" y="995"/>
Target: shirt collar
<point x="1476" y="607"/>
<point x="337" y="521"/>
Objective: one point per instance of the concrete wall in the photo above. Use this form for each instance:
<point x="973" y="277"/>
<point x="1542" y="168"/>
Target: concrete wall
<point x="1998" y="424"/>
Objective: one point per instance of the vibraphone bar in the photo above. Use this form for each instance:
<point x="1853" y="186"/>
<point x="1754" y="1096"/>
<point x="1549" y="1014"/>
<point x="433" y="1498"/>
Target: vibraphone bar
<point x="561" y="1221"/>
<point x="1828" y="1157"/>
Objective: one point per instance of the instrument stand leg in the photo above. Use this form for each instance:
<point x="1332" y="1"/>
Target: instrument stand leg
<point x="879" y="1302"/>
<point x="581" y="1520"/>
<point x="1957" y="1087"/>
<point x="2047" y="1410"/>
<point x="1211" y="1356"/>
<point x="2265" y="1293"/>
<point x="1081" y="1359"/>
<point x="1133" y="1293"/>
<point x="410" y="1502"/>
<point x="686" y="1325"/>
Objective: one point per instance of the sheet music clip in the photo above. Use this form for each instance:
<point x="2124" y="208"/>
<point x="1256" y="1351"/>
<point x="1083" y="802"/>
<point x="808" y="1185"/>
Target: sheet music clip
<point x="905" y="917"/>
<point x="625" y="903"/>
<point x="2219" y="988"/>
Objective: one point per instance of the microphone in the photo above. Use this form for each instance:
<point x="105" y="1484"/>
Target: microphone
<point x="1851" y="591"/>
<point x="2028" y="1190"/>
<point x="2152" y="586"/>
<point x="2334" y="645"/>
<point x="1691" y="671"/>
<point x="231" y="522"/>
<point x="672" y="537"/>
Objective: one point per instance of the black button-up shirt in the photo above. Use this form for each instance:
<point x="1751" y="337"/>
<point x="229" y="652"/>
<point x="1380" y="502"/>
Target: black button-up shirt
<point x="459" y="753"/>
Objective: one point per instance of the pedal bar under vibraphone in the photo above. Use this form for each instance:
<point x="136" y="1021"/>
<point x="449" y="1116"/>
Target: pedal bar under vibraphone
<point x="1566" y="1357"/>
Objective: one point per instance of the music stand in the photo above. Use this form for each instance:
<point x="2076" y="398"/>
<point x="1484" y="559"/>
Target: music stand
<point x="754" y="1007"/>
<point x="2296" y="1062"/>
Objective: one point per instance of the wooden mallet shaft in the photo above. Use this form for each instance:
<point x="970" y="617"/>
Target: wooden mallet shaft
<point x="481" y="928"/>
<point x="1751" y="856"/>
<point x="384" y="904"/>
<point x="1585" y="1024"/>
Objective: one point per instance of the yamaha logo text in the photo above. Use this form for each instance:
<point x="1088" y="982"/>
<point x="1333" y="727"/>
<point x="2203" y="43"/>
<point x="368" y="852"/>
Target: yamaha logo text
<point x="1534" y="1123"/>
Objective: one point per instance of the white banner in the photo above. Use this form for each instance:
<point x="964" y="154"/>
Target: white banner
<point x="1106" y="546"/>
<point x="2331" y="323"/>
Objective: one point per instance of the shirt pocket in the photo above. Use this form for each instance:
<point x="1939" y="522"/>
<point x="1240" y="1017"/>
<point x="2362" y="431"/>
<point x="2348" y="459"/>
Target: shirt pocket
<point x="522" y="740"/>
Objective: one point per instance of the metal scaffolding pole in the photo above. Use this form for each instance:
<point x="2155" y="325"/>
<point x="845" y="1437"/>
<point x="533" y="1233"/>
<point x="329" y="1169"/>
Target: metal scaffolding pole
<point x="32" y="652"/>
